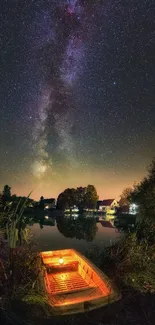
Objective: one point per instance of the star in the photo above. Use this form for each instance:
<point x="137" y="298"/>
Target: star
<point x="77" y="94"/>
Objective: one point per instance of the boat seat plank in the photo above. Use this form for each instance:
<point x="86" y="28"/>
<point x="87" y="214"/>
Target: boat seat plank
<point x="65" y="282"/>
<point x="75" y="283"/>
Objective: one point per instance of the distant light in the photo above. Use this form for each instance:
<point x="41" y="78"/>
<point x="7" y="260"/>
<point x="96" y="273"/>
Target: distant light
<point x="114" y="83"/>
<point x="134" y="205"/>
<point x="75" y="209"/>
<point x="61" y="261"/>
<point x="46" y="217"/>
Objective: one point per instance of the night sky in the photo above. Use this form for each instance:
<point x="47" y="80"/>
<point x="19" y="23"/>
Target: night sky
<point x="77" y="94"/>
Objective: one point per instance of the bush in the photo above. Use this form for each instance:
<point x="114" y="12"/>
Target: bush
<point x="130" y="262"/>
<point x="146" y="230"/>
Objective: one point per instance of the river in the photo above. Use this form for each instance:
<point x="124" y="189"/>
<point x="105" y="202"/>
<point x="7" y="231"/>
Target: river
<point x="80" y="234"/>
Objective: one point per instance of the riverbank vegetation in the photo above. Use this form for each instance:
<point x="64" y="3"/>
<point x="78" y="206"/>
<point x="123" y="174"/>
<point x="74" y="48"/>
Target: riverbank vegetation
<point x="129" y="263"/>
<point x="19" y="265"/>
<point x="143" y="194"/>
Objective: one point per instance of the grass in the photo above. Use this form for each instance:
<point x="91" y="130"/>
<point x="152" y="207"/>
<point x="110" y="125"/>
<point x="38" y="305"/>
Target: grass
<point x="129" y="263"/>
<point x="24" y="296"/>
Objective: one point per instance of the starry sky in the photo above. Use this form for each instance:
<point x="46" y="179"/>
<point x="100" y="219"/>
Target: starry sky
<point x="77" y="94"/>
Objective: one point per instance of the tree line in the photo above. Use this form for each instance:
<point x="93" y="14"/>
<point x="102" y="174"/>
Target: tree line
<point x="81" y="197"/>
<point x="6" y="198"/>
<point x="142" y="194"/>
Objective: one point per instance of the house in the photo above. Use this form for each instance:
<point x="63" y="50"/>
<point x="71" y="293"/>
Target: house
<point x="49" y="203"/>
<point x="108" y="206"/>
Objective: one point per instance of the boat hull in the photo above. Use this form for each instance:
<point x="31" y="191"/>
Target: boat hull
<point x="76" y="285"/>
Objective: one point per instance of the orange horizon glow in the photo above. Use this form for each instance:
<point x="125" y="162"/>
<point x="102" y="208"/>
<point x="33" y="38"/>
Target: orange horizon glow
<point x="109" y="185"/>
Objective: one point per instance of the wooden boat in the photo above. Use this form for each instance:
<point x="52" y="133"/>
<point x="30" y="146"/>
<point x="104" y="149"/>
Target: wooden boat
<point x="73" y="284"/>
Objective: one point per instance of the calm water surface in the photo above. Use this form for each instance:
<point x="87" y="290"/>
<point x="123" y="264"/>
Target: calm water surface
<point x="58" y="236"/>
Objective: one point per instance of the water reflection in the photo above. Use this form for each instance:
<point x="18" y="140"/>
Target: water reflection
<point x="80" y="233"/>
<point x="79" y="228"/>
<point x="107" y="223"/>
<point x="82" y="227"/>
<point x="125" y="223"/>
<point x="47" y="221"/>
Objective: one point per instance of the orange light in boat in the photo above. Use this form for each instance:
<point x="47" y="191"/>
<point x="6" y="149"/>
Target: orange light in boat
<point x="61" y="261"/>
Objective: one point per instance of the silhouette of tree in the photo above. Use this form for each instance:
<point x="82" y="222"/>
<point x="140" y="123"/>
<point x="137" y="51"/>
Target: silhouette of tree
<point x="80" y="229"/>
<point x="91" y="197"/>
<point x="125" y="197"/>
<point x="66" y="199"/>
<point x="6" y="194"/>
<point x="144" y="194"/>
<point x="41" y="203"/>
<point x="82" y="197"/>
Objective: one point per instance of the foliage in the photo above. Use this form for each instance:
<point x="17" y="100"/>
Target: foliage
<point x="27" y="268"/>
<point x="16" y="225"/>
<point x="66" y="199"/>
<point x="91" y="197"/>
<point x="35" y="297"/>
<point x="125" y="197"/>
<point x="6" y="194"/>
<point x="130" y="261"/>
<point x="144" y="194"/>
<point x="8" y="201"/>
<point x="20" y="266"/>
<point x="15" y="228"/>
<point x="86" y="197"/>
<point x="82" y="197"/>
<point x="145" y="230"/>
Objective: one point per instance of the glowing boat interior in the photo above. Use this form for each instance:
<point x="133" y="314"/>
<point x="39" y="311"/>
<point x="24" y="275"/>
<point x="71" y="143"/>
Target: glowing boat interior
<point x="73" y="283"/>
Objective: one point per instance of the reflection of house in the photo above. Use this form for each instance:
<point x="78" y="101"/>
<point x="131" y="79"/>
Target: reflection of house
<point x="49" y="221"/>
<point x="107" y="206"/>
<point x="107" y="224"/>
<point x="73" y="209"/>
<point x="49" y="203"/>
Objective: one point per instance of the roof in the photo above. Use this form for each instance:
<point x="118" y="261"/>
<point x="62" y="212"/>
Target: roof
<point x="49" y="200"/>
<point x="99" y="202"/>
<point x="107" y="202"/>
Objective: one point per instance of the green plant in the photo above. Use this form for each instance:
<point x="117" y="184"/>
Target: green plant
<point x="16" y="232"/>
<point x="130" y="261"/>
<point x="15" y="223"/>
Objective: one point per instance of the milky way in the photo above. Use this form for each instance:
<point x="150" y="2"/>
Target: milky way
<point x="63" y="69"/>
<point x="77" y="94"/>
